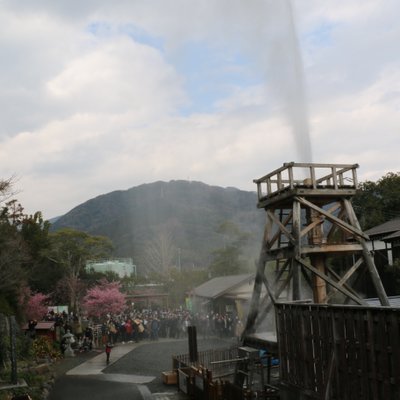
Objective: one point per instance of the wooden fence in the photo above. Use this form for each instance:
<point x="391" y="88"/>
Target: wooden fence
<point x="339" y="352"/>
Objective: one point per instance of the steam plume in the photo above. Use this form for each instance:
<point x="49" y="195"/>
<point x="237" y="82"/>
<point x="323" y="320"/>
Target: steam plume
<point x="285" y="66"/>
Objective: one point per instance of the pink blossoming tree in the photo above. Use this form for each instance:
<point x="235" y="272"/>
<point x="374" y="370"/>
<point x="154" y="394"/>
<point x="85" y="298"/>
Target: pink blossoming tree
<point x="34" y="305"/>
<point x="105" y="298"/>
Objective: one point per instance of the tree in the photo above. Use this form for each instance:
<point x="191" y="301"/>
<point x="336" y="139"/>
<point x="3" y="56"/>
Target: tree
<point x="22" y="241"/>
<point x="35" y="232"/>
<point x="71" y="250"/>
<point x="160" y="252"/>
<point x="228" y="259"/>
<point x="68" y="287"/>
<point x="378" y="202"/>
<point x="13" y="255"/>
<point x="6" y="189"/>
<point x="41" y="274"/>
<point x="180" y="283"/>
<point x="105" y="298"/>
<point x="34" y="305"/>
<point x="24" y="238"/>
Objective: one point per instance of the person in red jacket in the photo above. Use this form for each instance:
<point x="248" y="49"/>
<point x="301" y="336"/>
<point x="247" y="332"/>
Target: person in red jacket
<point x="108" y="351"/>
<point x="128" y="330"/>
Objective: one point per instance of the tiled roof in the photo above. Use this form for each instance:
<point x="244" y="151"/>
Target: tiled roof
<point x="220" y="285"/>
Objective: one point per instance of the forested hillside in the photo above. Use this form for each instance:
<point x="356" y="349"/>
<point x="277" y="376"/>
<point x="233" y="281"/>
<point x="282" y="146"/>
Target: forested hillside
<point x="178" y="220"/>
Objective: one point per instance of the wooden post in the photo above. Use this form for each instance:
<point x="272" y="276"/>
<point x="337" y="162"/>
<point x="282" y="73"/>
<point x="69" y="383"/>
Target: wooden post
<point x="319" y="284"/>
<point x="296" y="294"/>
<point x="192" y="337"/>
<point x="315" y="238"/>
<point x="369" y="260"/>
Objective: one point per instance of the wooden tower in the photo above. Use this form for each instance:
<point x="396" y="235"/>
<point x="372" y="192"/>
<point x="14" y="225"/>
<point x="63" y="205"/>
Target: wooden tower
<point x="312" y="239"/>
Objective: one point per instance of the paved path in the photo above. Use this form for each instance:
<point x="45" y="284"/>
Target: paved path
<point x="97" y="364"/>
<point x="89" y="380"/>
<point x="134" y="372"/>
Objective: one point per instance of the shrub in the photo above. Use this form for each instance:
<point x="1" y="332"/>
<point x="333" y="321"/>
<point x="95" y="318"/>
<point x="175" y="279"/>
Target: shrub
<point x="43" y="348"/>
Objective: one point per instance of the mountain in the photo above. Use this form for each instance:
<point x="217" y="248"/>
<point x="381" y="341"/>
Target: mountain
<point x="184" y="213"/>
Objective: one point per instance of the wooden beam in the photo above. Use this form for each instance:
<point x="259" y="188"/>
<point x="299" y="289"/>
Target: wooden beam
<point x="341" y="171"/>
<point x="269" y="289"/>
<point x="334" y="178"/>
<point x="332" y="248"/>
<point x="334" y="227"/>
<point x="342" y="281"/>
<point x="322" y="220"/>
<point x="281" y="271"/>
<point x="312" y="175"/>
<point x="332" y="218"/>
<point x="369" y="260"/>
<point x="281" y="226"/>
<point x="264" y="307"/>
<point x="296" y="292"/>
<point x="255" y="298"/>
<point x="277" y="234"/>
<point x="291" y="180"/>
<point x="267" y="231"/>
<point x="306" y="276"/>
<point x="326" y="278"/>
<point x="311" y="226"/>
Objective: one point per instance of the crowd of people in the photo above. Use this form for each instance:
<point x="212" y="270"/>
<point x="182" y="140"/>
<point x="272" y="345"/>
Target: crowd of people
<point x="168" y="324"/>
<point x="138" y="325"/>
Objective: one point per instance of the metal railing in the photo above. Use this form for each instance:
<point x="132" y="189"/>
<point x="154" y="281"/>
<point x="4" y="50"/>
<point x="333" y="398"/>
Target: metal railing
<point x="213" y="360"/>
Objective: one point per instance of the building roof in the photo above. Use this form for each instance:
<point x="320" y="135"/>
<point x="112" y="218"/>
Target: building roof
<point x="394" y="301"/>
<point x="216" y="287"/>
<point x="392" y="236"/>
<point x="386" y="228"/>
<point x="42" y="325"/>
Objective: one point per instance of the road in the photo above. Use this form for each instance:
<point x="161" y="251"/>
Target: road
<point x="134" y="372"/>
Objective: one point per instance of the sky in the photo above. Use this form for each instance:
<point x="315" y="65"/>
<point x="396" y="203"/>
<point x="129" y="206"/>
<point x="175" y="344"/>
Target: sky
<point x="98" y="96"/>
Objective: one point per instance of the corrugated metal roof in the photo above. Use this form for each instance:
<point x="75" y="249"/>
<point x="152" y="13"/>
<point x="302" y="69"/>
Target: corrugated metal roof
<point x="394" y="301"/>
<point x="387" y="227"/>
<point x="220" y="285"/>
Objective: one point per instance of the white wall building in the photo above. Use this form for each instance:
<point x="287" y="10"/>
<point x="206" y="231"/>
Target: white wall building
<point x="121" y="266"/>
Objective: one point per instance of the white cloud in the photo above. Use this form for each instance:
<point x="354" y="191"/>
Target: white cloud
<point x="118" y="76"/>
<point x="95" y="97"/>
